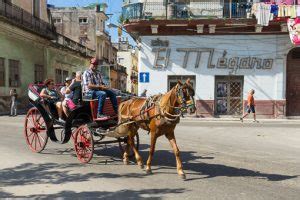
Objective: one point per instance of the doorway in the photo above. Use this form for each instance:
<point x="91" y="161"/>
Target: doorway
<point x="293" y="83"/>
<point x="229" y="95"/>
<point x="172" y="81"/>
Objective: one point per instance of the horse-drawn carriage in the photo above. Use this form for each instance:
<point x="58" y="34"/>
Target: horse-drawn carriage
<point x="158" y="115"/>
<point x="82" y="125"/>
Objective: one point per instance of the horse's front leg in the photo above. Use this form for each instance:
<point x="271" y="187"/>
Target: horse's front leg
<point x="151" y="152"/>
<point x="136" y="153"/>
<point x="172" y="140"/>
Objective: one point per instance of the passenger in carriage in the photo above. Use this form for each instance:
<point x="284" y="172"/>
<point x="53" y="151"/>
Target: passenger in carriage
<point x="93" y="87"/>
<point x="53" y="97"/>
<point x="75" y="87"/>
<point x="67" y="103"/>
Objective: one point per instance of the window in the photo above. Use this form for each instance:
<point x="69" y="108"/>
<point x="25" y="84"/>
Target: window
<point x="83" y="20"/>
<point x="38" y="73"/>
<point x="61" y="75"/>
<point x="2" y="72"/>
<point x="65" y="75"/>
<point x="57" y="20"/>
<point x="14" y="75"/>
<point x="36" y="8"/>
<point x="58" y="78"/>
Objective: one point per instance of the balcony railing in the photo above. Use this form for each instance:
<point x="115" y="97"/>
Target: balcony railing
<point x="24" y="19"/>
<point x="193" y="10"/>
<point x="71" y="44"/>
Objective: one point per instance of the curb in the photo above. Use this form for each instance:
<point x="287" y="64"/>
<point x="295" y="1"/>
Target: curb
<point x="237" y="120"/>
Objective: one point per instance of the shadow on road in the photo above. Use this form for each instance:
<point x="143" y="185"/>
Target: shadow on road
<point x="52" y="173"/>
<point x="193" y="165"/>
<point x="122" y="194"/>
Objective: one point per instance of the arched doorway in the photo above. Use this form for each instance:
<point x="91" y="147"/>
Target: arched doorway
<point x="293" y="83"/>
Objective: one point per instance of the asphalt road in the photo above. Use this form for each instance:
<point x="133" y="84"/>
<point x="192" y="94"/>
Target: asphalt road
<point x="223" y="160"/>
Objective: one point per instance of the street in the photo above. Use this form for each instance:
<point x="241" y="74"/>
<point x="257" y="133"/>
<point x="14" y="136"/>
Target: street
<point x="222" y="160"/>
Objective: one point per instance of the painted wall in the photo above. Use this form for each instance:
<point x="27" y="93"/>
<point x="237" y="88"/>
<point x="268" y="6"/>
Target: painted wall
<point x="28" y="53"/>
<point x="268" y="83"/>
<point x="64" y="60"/>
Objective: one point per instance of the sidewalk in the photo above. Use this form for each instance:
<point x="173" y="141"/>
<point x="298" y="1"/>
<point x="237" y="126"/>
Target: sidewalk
<point x="246" y="120"/>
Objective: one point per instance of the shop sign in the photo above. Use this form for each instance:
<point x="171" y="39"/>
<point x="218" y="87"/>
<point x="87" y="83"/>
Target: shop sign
<point x="162" y="57"/>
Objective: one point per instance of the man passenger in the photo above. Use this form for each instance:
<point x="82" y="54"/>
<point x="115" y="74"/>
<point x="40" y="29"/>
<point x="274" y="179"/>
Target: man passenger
<point x="94" y="87"/>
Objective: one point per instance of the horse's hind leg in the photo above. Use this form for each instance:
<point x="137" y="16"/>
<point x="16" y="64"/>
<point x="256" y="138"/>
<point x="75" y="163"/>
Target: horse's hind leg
<point x="126" y="153"/>
<point x="151" y="152"/>
<point x="172" y="140"/>
<point x="136" y="153"/>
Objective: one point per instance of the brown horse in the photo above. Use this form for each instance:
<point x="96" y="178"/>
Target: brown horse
<point x="159" y="115"/>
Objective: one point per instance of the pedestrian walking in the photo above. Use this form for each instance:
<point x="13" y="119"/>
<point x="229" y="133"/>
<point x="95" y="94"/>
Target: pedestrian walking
<point x="250" y="106"/>
<point x="13" y="102"/>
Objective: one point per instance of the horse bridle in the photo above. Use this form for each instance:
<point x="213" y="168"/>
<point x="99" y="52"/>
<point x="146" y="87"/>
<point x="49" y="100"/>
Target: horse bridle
<point x="184" y="104"/>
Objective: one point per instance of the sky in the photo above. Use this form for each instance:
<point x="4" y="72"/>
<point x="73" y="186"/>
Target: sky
<point x="114" y="7"/>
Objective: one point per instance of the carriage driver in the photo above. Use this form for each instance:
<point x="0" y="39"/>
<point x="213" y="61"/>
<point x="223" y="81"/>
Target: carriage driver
<point x="93" y="87"/>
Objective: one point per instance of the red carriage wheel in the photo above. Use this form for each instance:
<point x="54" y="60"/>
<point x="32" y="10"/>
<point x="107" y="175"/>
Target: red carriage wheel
<point x="84" y="144"/>
<point x="35" y="130"/>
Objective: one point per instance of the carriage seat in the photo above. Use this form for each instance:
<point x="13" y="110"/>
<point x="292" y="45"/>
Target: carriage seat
<point x="107" y="108"/>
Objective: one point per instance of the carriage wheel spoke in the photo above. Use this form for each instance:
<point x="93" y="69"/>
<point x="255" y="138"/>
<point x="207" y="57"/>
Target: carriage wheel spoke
<point x="32" y="124"/>
<point x="28" y="136"/>
<point x="38" y="138"/>
<point x="41" y="138"/>
<point x="35" y="142"/>
<point x="32" y="139"/>
<point x="32" y="117"/>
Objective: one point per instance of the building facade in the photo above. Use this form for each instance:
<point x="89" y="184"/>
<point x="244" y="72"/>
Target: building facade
<point x="31" y="51"/>
<point x="86" y="25"/>
<point x="125" y="58"/>
<point x="223" y="55"/>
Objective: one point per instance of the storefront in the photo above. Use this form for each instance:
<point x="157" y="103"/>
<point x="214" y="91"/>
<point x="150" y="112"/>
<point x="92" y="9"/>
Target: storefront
<point x="222" y="69"/>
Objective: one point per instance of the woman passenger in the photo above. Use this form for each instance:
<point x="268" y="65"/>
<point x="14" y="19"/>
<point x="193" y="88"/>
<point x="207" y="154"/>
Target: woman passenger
<point x="67" y="103"/>
<point x="53" y="97"/>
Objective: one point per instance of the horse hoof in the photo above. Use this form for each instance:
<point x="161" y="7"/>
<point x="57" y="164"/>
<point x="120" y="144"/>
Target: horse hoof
<point x="141" y="166"/>
<point x="148" y="171"/>
<point x="126" y="162"/>
<point x="182" y="176"/>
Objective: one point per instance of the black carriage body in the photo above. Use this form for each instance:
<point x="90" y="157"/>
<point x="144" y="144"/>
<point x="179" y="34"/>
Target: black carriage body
<point x="78" y="116"/>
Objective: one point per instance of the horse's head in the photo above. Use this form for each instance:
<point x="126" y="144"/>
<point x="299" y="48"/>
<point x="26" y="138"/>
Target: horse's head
<point x="185" y="95"/>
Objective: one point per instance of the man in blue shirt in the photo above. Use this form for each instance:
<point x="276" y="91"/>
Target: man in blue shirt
<point x="94" y="87"/>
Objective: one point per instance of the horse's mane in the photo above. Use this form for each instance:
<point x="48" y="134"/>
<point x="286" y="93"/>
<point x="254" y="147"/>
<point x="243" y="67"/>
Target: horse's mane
<point x="166" y="98"/>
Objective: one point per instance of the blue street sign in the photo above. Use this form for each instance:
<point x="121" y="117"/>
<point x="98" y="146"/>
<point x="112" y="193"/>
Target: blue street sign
<point x="144" y="77"/>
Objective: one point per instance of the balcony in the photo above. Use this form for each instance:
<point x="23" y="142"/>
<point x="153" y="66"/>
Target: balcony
<point x="102" y="34"/>
<point x="26" y="20"/>
<point x="75" y="46"/>
<point x="192" y="10"/>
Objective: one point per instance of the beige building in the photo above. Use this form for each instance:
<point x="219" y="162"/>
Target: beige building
<point x="86" y="25"/>
<point x="127" y="58"/>
<point x="31" y="50"/>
